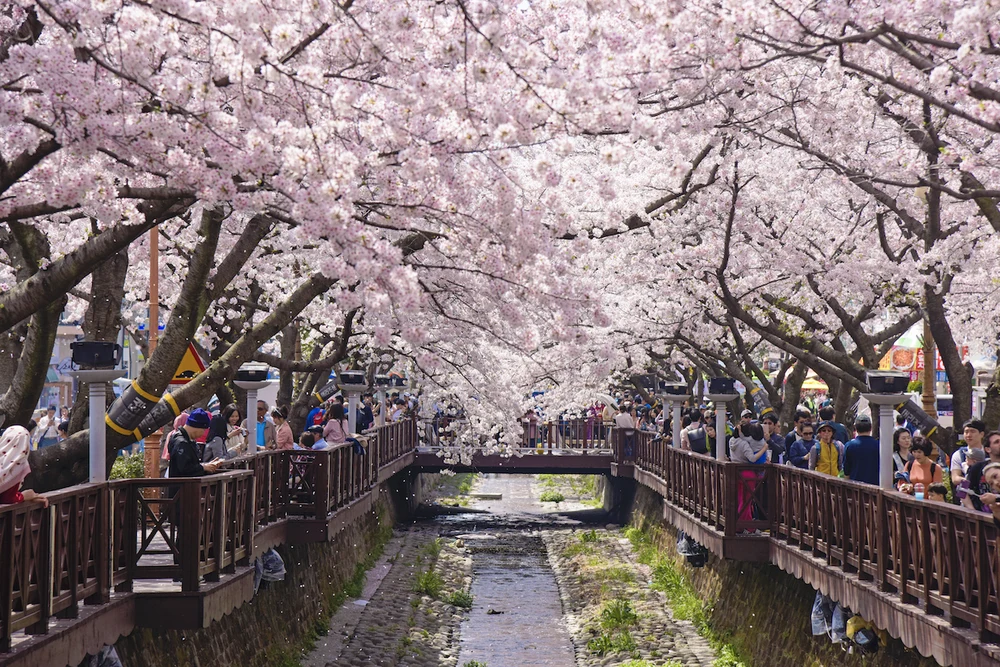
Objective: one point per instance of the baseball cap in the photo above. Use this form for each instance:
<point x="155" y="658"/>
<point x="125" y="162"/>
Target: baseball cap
<point x="746" y="413"/>
<point x="199" y="419"/>
<point x="862" y="420"/>
<point x="315" y="429"/>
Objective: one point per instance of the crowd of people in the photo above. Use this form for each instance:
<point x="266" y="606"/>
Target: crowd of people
<point x="228" y="434"/>
<point x="815" y="441"/>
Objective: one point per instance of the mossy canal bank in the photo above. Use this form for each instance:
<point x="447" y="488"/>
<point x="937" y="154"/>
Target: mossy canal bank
<point x="753" y="613"/>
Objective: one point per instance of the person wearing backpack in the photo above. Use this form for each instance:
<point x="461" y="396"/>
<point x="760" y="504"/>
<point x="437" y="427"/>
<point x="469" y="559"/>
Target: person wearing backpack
<point x="695" y="437"/>
<point x="922" y="469"/>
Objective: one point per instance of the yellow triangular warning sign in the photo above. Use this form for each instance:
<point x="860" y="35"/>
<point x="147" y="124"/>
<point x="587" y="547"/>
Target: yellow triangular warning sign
<point x="190" y="366"/>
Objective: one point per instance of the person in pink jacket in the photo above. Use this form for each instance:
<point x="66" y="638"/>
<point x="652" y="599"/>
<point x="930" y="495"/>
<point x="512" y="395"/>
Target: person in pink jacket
<point x="283" y="436"/>
<point x="335" y="430"/>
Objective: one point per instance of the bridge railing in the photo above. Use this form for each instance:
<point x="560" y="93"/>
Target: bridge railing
<point x="95" y="536"/>
<point x="941" y="557"/>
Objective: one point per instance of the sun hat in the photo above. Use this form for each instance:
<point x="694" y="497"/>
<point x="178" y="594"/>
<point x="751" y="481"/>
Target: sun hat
<point x="14" y="446"/>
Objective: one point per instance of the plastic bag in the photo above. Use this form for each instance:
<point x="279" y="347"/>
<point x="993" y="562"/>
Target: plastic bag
<point x="838" y="624"/>
<point x="822" y="615"/>
<point x="106" y="657"/>
<point x="685" y="545"/>
<point x="274" y="567"/>
<point x="258" y="574"/>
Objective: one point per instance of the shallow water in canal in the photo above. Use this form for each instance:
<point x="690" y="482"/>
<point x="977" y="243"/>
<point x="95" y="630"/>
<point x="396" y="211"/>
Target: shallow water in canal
<point x="516" y="617"/>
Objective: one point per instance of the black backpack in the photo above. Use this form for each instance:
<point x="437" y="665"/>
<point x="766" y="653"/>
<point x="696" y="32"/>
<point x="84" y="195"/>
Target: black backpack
<point x="698" y="440"/>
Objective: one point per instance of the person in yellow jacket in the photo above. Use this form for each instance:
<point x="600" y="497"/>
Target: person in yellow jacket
<point x="827" y="455"/>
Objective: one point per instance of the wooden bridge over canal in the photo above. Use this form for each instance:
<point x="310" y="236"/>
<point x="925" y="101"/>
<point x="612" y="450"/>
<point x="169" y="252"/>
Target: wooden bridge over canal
<point x="105" y="559"/>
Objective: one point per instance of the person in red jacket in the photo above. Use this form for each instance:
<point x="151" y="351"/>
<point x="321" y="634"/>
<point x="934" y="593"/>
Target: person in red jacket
<point x="14" y="447"/>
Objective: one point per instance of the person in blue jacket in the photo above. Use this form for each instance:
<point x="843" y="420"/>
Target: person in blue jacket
<point x="798" y="453"/>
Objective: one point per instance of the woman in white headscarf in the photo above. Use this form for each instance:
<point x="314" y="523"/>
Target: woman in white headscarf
<point x="14" y="447"/>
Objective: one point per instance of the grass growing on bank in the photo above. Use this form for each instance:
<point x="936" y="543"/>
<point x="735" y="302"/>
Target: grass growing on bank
<point x="581" y="488"/>
<point x="684" y="601"/>
<point x="452" y="490"/>
<point x="617" y="620"/>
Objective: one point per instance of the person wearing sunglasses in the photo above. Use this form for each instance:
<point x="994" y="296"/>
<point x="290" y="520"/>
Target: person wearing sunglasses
<point x="798" y="453"/>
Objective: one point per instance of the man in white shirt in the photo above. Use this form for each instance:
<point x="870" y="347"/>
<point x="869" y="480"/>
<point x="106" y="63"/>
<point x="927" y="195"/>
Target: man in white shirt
<point x="48" y="429"/>
<point x="623" y="419"/>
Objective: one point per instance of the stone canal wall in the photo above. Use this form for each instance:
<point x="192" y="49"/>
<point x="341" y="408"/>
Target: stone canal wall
<point x="761" y="611"/>
<point x="284" y="618"/>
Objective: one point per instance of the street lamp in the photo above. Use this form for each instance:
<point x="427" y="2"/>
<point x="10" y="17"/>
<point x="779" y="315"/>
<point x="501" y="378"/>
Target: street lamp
<point x="886" y="389"/>
<point x="675" y="393"/>
<point x="381" y="382"/>
<point x="353" y="383"/>
<point x="252" y="377"/>
<point x="721" y="391"/>
<point x="101" y="358"/>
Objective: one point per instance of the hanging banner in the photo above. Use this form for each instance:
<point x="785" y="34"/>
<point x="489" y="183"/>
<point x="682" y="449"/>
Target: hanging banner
<point x="916" y="416"/>
<point x="163" y="413"/>
<point x="327" y="391"/>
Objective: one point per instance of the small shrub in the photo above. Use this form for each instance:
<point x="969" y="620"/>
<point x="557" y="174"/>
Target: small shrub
<point x="624" y="643"/>
<point x="461" y="599"/>
<point x="600" y="645"/>
<point x="128" y="466"/>
<point x="618" y="615"/>
<point x="474" y="663"/>
<point x="577" y="550"/>
<point x="433" y="549"/>
<point x="552" y="497"/>
<point x="589" y="536"/>
<point x="429" y="583"/>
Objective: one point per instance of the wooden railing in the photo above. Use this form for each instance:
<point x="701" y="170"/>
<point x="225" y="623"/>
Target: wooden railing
<point x="941" y="557"/>
<point x="94" y="537"/>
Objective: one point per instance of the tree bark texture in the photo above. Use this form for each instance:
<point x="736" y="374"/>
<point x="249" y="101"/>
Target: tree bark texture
<point x="102" y="322"/>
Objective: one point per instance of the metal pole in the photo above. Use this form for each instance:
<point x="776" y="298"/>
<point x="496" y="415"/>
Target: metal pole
<point x="352" y="412"/>
<point x="154" y="289"/>
<point x="720" y="431"/>
<point x="252" y="423"/>
<point x="885" y="403"/>
<point x="98" y="455"/>
<point x="380" y="420"/>
<point x="885" y="424"/>
<point x="676" y="406"/>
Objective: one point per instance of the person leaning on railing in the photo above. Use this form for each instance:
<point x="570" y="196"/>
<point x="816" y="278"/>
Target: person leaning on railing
<point x="184" y="459"/>
<point x="14" y="447"/>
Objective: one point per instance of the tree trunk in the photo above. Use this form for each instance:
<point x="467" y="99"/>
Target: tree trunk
<point x="28" y="248"/>
<point x="11" y="346"/>
<point x="21" y="398"/>
<point x="793" y="391"/>
<point x="958" y="374"/>
<point x="991" y="411"/>
<point x="289" y="343"/>
<point x="102" y="322"/>
<point x="58" y="277"/>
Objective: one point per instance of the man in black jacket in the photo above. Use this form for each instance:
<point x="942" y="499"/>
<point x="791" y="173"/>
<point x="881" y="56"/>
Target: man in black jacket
<point x="184" y="459"/>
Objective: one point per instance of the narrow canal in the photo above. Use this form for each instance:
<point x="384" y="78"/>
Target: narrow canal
<point x="509" y="581"/>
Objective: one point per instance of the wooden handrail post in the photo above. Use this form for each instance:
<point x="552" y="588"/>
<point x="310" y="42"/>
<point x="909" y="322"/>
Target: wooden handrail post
<point x="250" y="522"/>
<point x="129" y="536"/>
<point x="7" y="559"/>
<point x="321" y="484"/>
<point x="730" y="505"/>
<point x="187" y="538"/>
<point x="219" y="521"/>
<point x="46" y="555"/>
<point x="882" y="542"/>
